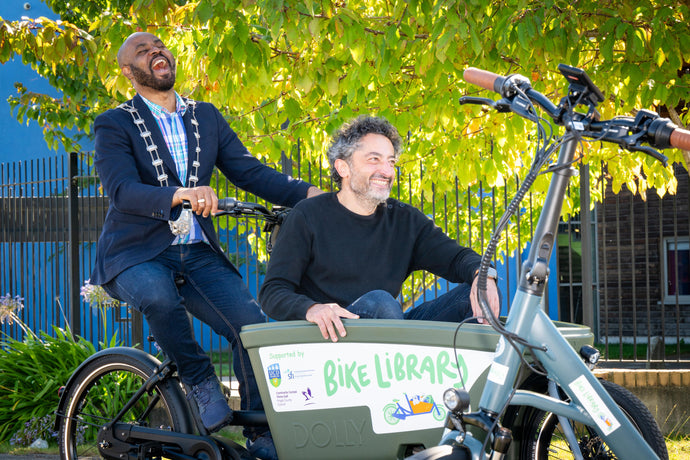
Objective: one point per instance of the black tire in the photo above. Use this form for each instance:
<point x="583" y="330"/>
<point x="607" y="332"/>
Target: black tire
<point x="545" y="439"/>
<point x="99" y="390"/>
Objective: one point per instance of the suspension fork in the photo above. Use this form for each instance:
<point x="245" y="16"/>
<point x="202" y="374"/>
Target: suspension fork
<point x="565" y="425"/>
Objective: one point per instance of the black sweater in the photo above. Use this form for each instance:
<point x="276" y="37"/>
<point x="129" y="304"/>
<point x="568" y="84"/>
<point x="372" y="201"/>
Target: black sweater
<point x="325" y="253"/>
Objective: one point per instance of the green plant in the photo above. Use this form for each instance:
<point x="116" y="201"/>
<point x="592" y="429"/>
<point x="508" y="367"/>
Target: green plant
<point x="31" y="373"/>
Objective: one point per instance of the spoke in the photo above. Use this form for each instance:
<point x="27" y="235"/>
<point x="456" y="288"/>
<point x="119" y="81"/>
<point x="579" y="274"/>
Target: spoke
<point x="152" y="404"/>
<point x="84" y="422"/>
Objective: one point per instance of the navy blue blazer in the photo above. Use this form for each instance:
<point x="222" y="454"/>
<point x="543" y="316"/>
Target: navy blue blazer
<point x="136" y="226"/>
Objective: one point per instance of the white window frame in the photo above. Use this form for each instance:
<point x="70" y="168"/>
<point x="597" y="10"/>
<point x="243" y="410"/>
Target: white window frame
<point x="672" y="243"/>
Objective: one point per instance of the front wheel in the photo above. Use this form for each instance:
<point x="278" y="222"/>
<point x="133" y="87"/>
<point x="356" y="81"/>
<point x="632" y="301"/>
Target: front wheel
<point x="100" y="388"/>
<point x="439" y="412"/>
<point x="546" y="440"/>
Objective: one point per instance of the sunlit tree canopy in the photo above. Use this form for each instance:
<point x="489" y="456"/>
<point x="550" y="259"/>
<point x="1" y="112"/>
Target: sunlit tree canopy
<point x="289" y="71"/>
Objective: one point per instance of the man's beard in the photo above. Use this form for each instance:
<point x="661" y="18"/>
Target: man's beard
<point x="149" y="80"/>
<point x="361" y="187"/>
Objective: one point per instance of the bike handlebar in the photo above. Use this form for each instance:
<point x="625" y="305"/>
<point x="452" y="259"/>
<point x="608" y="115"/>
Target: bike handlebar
<point x="658" y="132"/>
<point x="484" y="78"/>
<point x="235" y="208"/>
<point x="680" y="138"/>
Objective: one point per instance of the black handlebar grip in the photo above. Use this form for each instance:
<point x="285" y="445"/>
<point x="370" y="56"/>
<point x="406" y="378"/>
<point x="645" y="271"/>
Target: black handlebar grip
<point x="680" y="139"/>
<point x="226" y="204"/>
<point x="484" y="78"/>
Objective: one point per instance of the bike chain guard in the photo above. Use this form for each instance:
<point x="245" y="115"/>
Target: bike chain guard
<point x="131" y="442"/>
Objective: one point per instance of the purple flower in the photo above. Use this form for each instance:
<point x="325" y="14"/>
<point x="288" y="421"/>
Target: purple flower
<point x="96" y="296"/>
<point x="9" y="307"/>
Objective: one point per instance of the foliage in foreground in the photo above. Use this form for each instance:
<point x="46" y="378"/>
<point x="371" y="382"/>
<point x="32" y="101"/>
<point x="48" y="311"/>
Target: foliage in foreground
<point x="288" y="73"/>
<point x="31" y="372"/>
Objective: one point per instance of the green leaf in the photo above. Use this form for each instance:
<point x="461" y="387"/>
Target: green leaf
<point x="476" y="43"/>
<point x="358" y="52"/>
<point x="332" y="83"/>
<point x="606" y="47"/>
<point x="304" y="83"/>
<point x="659" y="57"/>
<point x="315" y="27"/>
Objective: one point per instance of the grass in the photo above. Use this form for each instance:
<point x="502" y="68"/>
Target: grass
<point x="232" y="433"/>
<point x="222" y="362"/>
<point x="678" y="447"/>
<point x="5" y="448"/>
<point x="629" y="351"/>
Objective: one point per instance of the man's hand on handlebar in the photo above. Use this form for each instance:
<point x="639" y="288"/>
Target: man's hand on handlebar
<point x="203" y="200"/>
<point x="491" y="295"/>
<point x="327" y="317"/>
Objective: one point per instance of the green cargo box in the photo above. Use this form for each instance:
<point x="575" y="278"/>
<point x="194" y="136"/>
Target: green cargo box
<point x="375" y="393"/>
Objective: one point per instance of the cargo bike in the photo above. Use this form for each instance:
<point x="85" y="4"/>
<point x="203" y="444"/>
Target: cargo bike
<point x="520" y="387"/>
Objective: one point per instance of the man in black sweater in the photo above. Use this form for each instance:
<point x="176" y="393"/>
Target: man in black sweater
<point x="347" y="254"/>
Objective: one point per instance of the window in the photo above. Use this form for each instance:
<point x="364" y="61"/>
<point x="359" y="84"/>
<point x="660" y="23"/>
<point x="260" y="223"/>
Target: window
<point x="574" y="296"/>
<point x="677" y="270"/>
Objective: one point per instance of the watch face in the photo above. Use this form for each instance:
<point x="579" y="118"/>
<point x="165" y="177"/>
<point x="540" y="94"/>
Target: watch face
<point x="492" y="273"/>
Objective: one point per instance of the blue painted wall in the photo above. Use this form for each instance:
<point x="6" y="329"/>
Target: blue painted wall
<point x="19" y="141"/>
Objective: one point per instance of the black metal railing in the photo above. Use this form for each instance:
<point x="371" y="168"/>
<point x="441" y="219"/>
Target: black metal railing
<point x="51" y="213"/>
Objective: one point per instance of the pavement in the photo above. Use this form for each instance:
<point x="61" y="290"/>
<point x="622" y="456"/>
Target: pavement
<point x="29" y="457"/>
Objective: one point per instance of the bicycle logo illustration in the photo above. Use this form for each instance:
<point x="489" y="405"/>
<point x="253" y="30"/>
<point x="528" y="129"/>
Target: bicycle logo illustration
<point x="416" y="405"/>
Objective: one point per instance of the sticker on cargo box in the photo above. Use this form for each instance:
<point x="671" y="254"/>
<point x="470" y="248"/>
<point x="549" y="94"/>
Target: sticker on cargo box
<point x="402" y="385"/>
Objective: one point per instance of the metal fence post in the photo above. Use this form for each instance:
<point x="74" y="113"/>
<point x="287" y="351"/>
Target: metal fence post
<point x="74" y="278"/>
<point x="586" y="241"/>
<point x="285" y="164"/>
<point x="137" y="326"/>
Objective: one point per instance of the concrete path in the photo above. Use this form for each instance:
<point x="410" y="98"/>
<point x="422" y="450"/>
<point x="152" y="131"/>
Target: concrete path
<point x="29" y="457"/>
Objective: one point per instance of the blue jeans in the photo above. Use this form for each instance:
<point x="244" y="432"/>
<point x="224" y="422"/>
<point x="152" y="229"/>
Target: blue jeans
<point x="212" y="291"/>
<point x="453" y="306"/>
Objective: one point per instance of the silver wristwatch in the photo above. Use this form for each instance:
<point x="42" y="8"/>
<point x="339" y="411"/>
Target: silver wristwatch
<point x="490" y="273"/>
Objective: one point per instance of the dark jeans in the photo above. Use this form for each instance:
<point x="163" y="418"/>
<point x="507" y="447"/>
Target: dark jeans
<point x="453" y="306"/>
<point x="213" y="292"/>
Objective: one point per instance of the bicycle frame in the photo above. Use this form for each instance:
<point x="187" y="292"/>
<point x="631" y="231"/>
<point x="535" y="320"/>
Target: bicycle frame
<point x="590" y="404"/>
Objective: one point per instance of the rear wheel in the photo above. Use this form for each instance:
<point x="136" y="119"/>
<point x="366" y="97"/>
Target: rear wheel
<point x="388" y="412"/>
<point x="546" y="440"/>
<point x="100" y="390"/>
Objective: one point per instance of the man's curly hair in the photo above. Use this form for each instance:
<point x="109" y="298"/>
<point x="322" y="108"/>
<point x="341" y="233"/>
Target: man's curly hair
<point x="346" y="140"/>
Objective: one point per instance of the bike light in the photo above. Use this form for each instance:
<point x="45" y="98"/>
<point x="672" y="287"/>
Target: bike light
<point x="456" y="400"/>
<point x="590" y="354"/>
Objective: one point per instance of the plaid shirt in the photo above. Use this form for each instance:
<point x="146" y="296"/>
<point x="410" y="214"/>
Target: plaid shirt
<point x="172" y="127"/>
